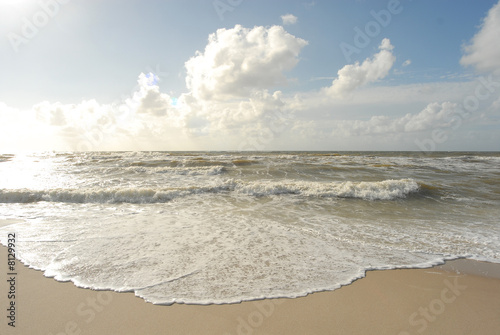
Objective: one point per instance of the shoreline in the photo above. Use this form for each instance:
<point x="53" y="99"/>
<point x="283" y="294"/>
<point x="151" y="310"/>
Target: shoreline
<point x="402" y="301"/>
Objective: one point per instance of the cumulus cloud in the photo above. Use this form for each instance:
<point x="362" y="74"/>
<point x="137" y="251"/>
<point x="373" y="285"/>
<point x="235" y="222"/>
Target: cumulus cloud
<point x="148" y="99"/>
<point x="246" y="111"/>
<point x="483" y="52"/>
<point x="143" y="120"/>
<point x="239" y="60"/>
<point x="228" y="98"/>
<point x="232" y="102"/>
<point x="229" y="85"/>
<point x="355" y="75"/>
<point x="289" y="19"/>
<point x="234" y="119"/>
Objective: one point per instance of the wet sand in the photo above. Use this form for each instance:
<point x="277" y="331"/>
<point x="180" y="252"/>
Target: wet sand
<point x="461" y="297"/>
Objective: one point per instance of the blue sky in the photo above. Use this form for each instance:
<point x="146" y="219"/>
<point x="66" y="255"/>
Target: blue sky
<point x="143" y="75"/>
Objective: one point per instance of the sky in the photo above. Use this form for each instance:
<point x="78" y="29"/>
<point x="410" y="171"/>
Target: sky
<point x="92" y="75"/>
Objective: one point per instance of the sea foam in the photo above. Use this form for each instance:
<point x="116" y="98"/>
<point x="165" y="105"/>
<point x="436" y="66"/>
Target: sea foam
<point x="225" y="227"/>
<point x="383" y="190"/>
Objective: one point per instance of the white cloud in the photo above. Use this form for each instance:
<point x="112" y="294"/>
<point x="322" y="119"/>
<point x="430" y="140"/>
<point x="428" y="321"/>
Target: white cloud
<point x="229" y="100"/>
<point x="446" y="115"/>
<point x="232" y="103"/>
<point x="238" y="61"/>
<point x="381" y="99"/>
<point x="148" y="99"/>
<point x="434" y="115"/>
<point x="356" y="75"/>
<point x="289" y="19"/>
<point x="233" y="120"/>
<point x="484" y="50"/>
<point x="146" y="120"/>
<point x="397" y="133"/>
<point x="228" y="97"/>
<point x="246" y="111"/>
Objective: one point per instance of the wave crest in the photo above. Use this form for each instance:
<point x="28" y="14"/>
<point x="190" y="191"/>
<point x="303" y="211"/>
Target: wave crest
<point x="382" y="190"/>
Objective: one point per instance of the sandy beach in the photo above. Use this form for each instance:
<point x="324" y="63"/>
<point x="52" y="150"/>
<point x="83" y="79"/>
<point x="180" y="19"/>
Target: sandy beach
<point x="461" y="297"/>
<point x="234" y="167"/>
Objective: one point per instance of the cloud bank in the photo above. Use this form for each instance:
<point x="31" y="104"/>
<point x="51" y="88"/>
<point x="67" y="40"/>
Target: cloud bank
<point x="234" y="101"/>
<point x="229" y="100"/>
<point x="432" y="116"/>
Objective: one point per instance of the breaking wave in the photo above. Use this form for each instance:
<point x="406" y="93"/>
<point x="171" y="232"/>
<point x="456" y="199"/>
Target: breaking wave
<point x="381" y="190"/>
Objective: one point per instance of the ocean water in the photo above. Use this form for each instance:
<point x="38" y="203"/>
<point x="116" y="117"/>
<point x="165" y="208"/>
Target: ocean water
<point x="223" y="227"/>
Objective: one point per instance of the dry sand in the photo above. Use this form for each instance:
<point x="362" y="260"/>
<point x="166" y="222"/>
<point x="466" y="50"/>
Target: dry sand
<point x="411" y="301"/>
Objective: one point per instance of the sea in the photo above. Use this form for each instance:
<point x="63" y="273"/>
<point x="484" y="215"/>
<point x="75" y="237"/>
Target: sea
<point x="225" y="227"/>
